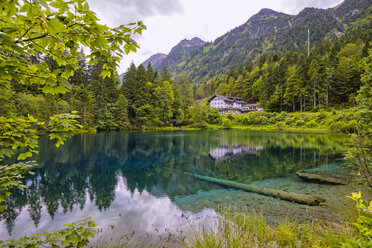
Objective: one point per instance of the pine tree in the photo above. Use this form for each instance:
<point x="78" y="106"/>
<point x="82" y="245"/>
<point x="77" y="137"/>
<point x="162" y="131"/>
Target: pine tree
<point x="81" y="75"/>
<point x="166" y="76"/>
<point x="150" y="73"/>
<point x="122" y="118"/>
<point x="84" y="103"/>
<point x="186" y="93"/>
<point x="164" y="98"/>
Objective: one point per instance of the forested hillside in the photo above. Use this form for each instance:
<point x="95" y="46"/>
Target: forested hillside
<point x="291" y="80"/>
<point x="272" y="32"/>
<point x="264" y="61"/>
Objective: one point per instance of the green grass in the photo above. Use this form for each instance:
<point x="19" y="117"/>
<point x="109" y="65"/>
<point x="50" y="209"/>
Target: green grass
<point x="236" y="229"/>
<point x="258" y="128"/>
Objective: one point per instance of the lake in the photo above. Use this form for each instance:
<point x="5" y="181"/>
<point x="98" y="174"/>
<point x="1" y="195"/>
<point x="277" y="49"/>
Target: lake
<point x="141" y="181"/>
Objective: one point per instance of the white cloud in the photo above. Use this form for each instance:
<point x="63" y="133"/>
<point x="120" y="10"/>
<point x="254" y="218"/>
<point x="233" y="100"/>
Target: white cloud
<point x="118" y="12"/>
<point x="298" y="5"/>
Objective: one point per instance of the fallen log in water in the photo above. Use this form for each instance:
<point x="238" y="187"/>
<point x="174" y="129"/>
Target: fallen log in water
<point x="327" y="179"/>
<point x="292" y="197"/>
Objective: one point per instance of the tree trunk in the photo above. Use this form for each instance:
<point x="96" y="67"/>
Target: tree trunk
<point x="327" y="96"/>
<point x="283" y="195"/>
<point x="314" y="95"/>
<point x="85" y="115"/>
<point x="326" y="179"/>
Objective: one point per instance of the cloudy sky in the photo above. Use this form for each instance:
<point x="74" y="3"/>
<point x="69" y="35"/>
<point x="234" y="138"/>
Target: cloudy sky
<point x="170" y="21"/>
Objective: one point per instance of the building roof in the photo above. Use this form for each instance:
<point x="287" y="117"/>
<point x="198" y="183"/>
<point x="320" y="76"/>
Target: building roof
<point x="228" y="99"/>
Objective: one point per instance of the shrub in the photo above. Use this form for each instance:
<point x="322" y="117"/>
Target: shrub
<point x="300" y="123"/>
<point x="214" y="116"/>
<point x="76" y="234"/>
<point x="246" y="120"/>
<point x="230" y="116"/>
<point x="280" y="117"/>
<point x="311" y="124"/>
<point x="343" y="127"/>
<point x="263" y="120"/>
<point x="363" y="222"/>
<point x="226" y="123"/>
<point x="290" y="120"/>
<point x="280" y="125"/>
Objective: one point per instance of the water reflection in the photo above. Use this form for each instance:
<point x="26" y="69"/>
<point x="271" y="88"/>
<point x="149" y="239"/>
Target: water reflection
<point x="225" y="152"/>
<point x="83" y="177"/>
<point x="130" y="211"/>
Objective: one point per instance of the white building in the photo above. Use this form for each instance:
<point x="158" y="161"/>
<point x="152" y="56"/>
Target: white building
<point x="235" y="105"/>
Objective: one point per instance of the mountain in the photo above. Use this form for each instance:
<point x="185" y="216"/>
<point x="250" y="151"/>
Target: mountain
<point x="155" y="60"/>
<point x="351" y="10"/>
<point x="181" y="51"/>
<point x="267" y="31"/>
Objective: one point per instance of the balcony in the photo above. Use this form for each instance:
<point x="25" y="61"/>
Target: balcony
<point x="247" y="109"/>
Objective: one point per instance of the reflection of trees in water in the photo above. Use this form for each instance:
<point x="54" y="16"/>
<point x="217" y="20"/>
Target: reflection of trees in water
<point x="88" y="165"/>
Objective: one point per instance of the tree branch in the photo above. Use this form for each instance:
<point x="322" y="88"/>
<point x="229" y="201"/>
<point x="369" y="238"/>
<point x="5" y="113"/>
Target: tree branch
<point x="32" y="39"/>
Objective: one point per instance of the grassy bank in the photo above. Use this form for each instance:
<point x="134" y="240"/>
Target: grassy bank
<point x="236" y="229"/>
<point x="273" y="128"/>
<point x="322" y="121"/>
<point x="306" y="122"/>
<point x="242" y="229"/>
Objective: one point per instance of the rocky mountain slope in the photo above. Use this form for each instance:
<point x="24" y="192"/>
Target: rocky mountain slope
<point x="268" y="30"/>
<point x="155" y="60"/>
<point x="181" y="51"/>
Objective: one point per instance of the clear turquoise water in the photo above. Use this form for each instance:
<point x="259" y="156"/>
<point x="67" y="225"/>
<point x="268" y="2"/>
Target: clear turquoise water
<point x="133" y="180"/>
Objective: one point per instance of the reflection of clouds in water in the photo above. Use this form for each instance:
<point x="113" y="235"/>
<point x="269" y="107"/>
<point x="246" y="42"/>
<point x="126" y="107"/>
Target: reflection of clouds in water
<point x="139" y="212"/>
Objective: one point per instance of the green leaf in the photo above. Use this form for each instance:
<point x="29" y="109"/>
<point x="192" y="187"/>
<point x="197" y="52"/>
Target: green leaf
<point x="99" y="42"/>
<point x="105" y="73"/>
<point x="24" y="155"/>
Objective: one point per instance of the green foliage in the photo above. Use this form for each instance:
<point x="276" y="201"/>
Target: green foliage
<point x="340" y="121"/>
<point x="186" y="93"/>
<point x="11" y="177"/>
<point x="226" y="124"/>
<point x="151" y="103"/>
<point x="291" y="81"/>
<point x="63" y="126"/>
<point x="20" y="134"/>
<point x="164" y="98"/>
<point x="364" y="97"/>
<point x="243" y="229"/>
<point x="17" y="133"/>
<point x="360" y="155"/>
<point x="364" y="220"/>
<point x="75" y="234"/>
<point x="344" y="127"/>
<point x="122" y="112"/>
<point x="31" y="28"/>
<point x="199" y="112"/>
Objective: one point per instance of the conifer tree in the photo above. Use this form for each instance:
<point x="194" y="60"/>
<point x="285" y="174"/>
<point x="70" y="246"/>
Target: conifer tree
<point x="186" y="93"/>
<point x="122" y="118"/>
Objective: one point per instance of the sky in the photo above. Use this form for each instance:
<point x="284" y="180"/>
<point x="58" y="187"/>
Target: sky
<point x="170" y="21"/>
